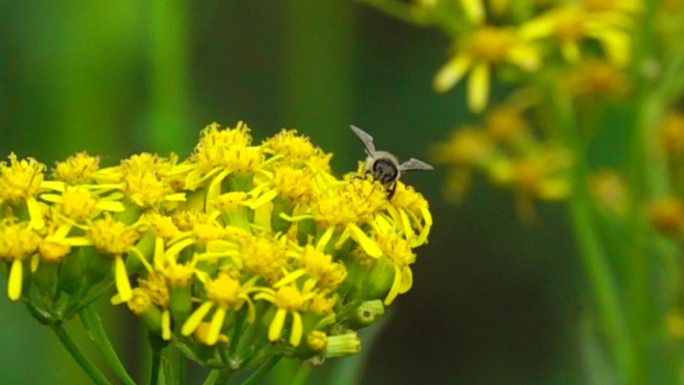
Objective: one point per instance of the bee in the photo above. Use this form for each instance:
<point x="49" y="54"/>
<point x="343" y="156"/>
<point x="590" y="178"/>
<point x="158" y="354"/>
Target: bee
<point x="384" y="166"/>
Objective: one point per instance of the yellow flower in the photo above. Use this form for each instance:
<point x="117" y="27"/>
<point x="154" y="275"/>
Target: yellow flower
<point x="114" y="238"/>
<point x="223" y="293"/>
<point x="78" y="203"/>
<point x="77" y="169"/>
<point x="21" y="179"/>
<point x="292" y="148"/>
<point x="596" y="78"/>
<point x="672" y="134"/>
<point x="485" y="47"/>
<point x="398" y="252"/>
<point x="571" y="25"/>
<point x="288" y="300"/>
<point x="466" y="146"/>
<point x="17" y="243"/>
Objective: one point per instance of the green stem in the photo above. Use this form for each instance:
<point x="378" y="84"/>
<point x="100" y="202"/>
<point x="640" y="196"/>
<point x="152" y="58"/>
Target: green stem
<point x="212" y="377"/>
<point x="302" y="374"/>
<point x="93" y="324"/>
<point x="601" y="280"/>
<point x="156" y="363"/>
<point x="263" y="370"/>
<point x="94" y="373"/>
<point x="398" y="10"/>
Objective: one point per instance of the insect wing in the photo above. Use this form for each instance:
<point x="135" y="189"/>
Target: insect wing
<point x="366" y="139"/>
<point x="415" y="164"/>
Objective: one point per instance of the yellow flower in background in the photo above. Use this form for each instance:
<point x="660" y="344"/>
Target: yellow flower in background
<point x="608" y="23"/>
<point x="476" y="55"/>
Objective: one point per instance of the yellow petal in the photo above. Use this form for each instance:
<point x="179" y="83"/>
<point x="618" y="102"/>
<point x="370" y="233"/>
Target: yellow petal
<point x="406" y="280"/>
<point x="166" y="325"/>
<point x="177" y="197"/>
<point x="342" y="239"/>
<point x="15" y="280"/>
<point x="195" y="318"/>
<point x="263" y="199"/>
<point x="571" y="51"/>
<point x="367" y="244"/>
<point x="77" y="241"/>
<point x="617" y="46"/>
<point x="35" y="261"/>
<point x="474" y="9"/>
<point x="214" y="189"/>
<point x="216" y="326"/>
<point x="276" y="327"/>
<point x="36" y="214"/>
<point x="325" y="238"/>
<point x="112" y="206"/>
<point x="478" y="87"/>
<point x="524" y="56"/>
<point x="262" y="215"/>
<point x="396" y="286"/>
<point x="286" y="280"/>
<point x="123" y="285"/>
<point x="53" y="185"/>
<point x="451" y="73"/>
<point x="297" y="329"/>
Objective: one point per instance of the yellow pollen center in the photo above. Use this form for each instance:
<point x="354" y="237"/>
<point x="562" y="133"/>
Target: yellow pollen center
<point x="112" y="237"/>
<point x="289" y="298"/>
<point x="17" y="241"/>
<point x="78" y="203"/>
<point x="21" y="179"/>
<point x="491" y="44"/>
<point x="224" y="291"/>
<point x="76" y="169"/>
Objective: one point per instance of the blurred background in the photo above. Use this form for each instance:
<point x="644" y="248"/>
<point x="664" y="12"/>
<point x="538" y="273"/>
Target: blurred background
<point x="494" y="301"/>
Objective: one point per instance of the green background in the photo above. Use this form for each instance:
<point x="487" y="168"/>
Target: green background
<point x="494" y="301"/>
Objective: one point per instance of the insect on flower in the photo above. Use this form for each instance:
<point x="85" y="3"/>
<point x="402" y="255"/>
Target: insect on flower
<point x="384" y="166"/>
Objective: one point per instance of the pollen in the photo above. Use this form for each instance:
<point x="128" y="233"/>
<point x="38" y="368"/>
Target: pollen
<point x="76" y="169"/>
<point x="397" y="249"/>
<point x="78" y="203"/>
<point x="162" y="226"/>
<point x="155" y="287"/>
<point x="144" y="188"/>
<point x="296" y="184"/>
<point x="17" y="241"/>
<point x="230" y="201"/>
<point x="224" y="291"/>
<point x="21" y="179"/>
<point x="112" y="237"/>
<point x="319" y="264"/>
<point x="205" y="232"/>
<point x="491" y="43"/>
<point x="289" y="298"/>
<point x="220" y="147"/>
<point x="317" y="340"/>
<point x="53" y="251"/>
<point x="186" y="219"/>
<point x="321" y="304"/>
<point x="140" y="302"/>
<point x="570" y="25"/>
<point x="291" y="145"/>
<point x="264" y="256"/>
<point x="178" y="276"/>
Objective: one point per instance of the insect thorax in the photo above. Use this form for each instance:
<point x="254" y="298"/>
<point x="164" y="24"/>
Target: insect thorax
<point x="384" y="169"/>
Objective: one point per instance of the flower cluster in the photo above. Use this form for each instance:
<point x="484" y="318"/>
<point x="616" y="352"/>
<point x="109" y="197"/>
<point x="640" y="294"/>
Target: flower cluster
<point x="239" y="252"/>
<point x="510" y="154"/>
<point x="550" y="53"/>
<point x="526" y="38"/>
